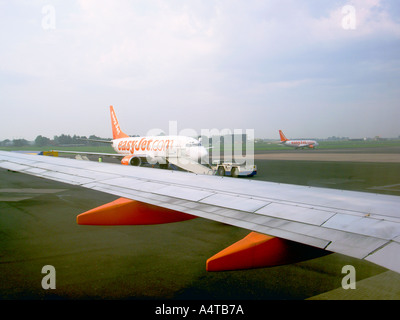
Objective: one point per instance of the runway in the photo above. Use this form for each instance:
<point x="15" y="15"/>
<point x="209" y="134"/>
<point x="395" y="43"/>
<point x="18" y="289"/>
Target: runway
<point x="38" y="228"/>
<point x="319" y="156"/>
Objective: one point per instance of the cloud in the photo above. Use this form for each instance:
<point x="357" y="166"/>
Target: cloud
<point x="131" y="44"/>
<point x="190" y="60"/>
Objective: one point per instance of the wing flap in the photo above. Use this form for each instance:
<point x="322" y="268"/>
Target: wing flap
<point x="387" y="256"/>
<point x="235" y="202"/>
<point x="303" y="214"/>
<point x="364" y="225"/>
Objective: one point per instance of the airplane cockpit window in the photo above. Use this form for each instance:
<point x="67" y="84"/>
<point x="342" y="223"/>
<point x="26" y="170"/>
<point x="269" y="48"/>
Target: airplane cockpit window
<point x="193" y="144"/>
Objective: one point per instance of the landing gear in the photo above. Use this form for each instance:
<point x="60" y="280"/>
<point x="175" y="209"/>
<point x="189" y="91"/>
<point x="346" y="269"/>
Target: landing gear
<point x="234" y="173"/>
<point x="221" y="171"/>
<point x="164" y="166"/>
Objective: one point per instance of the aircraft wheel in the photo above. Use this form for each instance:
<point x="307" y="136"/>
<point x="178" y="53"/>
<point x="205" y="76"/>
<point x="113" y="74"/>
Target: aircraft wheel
<point x="234" y="172"/>
<point x="221" y="171"/>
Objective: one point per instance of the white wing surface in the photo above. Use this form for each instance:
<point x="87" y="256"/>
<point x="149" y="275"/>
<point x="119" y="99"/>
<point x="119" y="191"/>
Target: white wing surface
<point x="361" y="225"/>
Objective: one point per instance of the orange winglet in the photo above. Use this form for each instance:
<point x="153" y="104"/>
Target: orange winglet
<point x="130" y="212"/>
<point x="258" y="250"/>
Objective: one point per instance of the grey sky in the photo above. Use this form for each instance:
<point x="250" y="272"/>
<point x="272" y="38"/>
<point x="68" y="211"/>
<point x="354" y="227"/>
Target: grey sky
<point x="299" y="66"/>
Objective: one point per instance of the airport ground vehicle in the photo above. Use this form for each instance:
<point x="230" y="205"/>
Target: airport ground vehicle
<point x="233" y="169"/>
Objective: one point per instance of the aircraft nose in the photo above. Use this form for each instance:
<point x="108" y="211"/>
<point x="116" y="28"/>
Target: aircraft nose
<point x="202" y="154"/>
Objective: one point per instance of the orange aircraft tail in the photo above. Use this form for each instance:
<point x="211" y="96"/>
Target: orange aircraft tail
<point x="116" y="130"/>
<point x="283" y="138"/>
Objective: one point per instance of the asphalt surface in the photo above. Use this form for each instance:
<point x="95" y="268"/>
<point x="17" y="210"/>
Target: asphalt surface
<point x="38" y="227"/>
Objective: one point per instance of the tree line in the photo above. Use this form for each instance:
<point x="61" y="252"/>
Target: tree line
<point x="61" y="140"/>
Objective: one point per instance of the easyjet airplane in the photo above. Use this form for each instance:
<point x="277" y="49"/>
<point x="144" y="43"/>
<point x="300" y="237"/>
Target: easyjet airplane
<point x="185" y="152"/>
<point x="297" y="143"/>
<point x="154" y="149"/>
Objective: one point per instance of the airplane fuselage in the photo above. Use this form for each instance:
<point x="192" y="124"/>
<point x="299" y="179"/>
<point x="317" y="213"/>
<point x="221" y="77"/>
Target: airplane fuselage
<point x="300" y="143"/>
<point x="160" y="147"/>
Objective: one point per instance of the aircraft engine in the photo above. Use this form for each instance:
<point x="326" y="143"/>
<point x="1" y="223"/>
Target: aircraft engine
<point x="131" y="161"/>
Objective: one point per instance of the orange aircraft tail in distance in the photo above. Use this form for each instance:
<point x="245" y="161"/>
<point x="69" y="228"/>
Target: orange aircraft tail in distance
<point x="116" y="130"/>
<point x="283" y="138"/>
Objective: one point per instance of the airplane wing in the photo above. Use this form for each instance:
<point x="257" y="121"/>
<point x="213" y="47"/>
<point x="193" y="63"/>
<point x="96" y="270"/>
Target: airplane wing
<point x="181" y="162"/>
<point x="357" y="224"/>
<point x="91" y="153"/>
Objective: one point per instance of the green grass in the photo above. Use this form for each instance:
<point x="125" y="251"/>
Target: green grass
<point x="358" y="144"/>
<point x="357" y="176"/>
